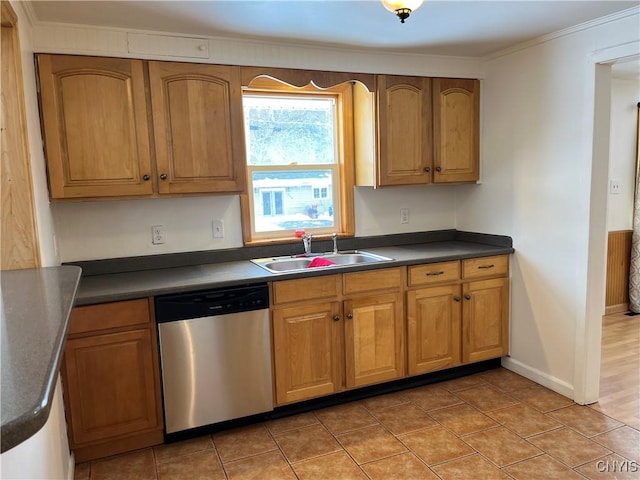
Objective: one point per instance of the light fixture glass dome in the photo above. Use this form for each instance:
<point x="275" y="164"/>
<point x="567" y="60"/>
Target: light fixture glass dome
<point x="393" y="5"/>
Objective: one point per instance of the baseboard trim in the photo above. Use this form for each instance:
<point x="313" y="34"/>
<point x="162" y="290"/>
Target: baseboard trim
<point x="544" y="379"/>
<point x="621" y="308"/>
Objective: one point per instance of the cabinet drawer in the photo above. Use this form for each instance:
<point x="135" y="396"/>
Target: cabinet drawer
<point x="389" y="278"/>
<point x="434" y="273"/>
<point x="305" y="289"/>
<point x="485" y="267"/>
<point x="109" y="315"/>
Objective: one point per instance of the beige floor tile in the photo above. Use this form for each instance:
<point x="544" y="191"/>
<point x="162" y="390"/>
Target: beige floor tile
<point x="502" y="446"/>
<point x="431" y="397"/>
<point x="307" y="442"/>
<point x="291" y="423"/>
<point x="204" y="465"/>
<point x="436" y="445"/>
<point x="542" y="398"/>
<point x="404" y="418"/>
<point x="243" y="442"/>
<point x="486" y="398"/>
<point x="82" y="471"/>
<point x="138" y="465"/>
<point x="471" y="467"/>
<point x="624" y="441"/>
<point x="399" y="467"/>
<point x="461" y="383"/>
<point x="266" y="466"/>
<point x="463" y="419"/>
<point x="506" y="380"/>
<point x="524" y="420"/>
<point x="344" y="418"/>
<point x="335" y="465"/>
<point x="384" y="401"/>
<point x="569" y="447"/>
<point x="369" y="444"/>
<point x="611" y="467"/>
<point x="169" y="451"/>
<point x="585" y="420"/>
<point x="542" y="467"/>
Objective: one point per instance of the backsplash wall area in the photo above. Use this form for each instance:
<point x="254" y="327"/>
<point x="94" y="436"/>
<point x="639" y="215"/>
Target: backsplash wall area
<point x="122" y="228"/>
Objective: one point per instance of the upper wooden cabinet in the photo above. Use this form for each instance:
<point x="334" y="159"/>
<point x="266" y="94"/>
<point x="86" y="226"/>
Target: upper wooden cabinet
<point x="404" y="130"/>
<point x="197" y="124"/>
<point x="95" y="125"/>
<point x="456" y="131"/>
<point x="96" y="118"/>
<point x="416" y="131"/>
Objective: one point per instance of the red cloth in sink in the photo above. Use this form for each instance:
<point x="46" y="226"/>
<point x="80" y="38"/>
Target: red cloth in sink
<point x="320" y="262"/>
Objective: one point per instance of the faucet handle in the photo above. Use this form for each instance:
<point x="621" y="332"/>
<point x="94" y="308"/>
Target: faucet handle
<point x="334" y="236"/>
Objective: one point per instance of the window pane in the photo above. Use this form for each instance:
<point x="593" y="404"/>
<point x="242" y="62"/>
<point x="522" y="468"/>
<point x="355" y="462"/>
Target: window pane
<point x="289" y="131"/>
<point x="284" y="200"/>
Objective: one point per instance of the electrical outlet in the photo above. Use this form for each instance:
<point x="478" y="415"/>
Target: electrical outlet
<point x="404" y="215"/>
<point x="614" y="187"/>
<point x="218" y="228"/>
<point x="157" y="234"/>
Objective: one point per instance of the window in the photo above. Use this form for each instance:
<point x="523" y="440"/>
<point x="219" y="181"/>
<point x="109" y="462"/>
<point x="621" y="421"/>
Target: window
<point x="300" y="176"/>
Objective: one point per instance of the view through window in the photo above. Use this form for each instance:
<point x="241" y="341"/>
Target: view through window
<point x="292" y="163"/>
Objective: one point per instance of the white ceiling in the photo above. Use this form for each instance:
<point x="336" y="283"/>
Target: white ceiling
<point x="460" y="28"/>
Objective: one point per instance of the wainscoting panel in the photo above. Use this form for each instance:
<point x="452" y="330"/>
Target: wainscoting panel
<point x="618" y="258"/>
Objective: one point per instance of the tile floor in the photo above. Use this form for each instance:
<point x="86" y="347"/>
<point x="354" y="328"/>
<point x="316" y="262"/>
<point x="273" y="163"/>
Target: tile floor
<point x="493" y="425"/>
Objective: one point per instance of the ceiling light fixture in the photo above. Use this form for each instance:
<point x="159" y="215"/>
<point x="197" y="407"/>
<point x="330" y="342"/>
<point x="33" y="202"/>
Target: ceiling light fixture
<point x="402" y="8"/>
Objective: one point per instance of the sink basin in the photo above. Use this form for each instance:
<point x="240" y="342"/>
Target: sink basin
<point x="291" y="264"/>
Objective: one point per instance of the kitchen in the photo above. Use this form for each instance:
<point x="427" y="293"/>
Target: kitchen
<point x="537" y="171"/>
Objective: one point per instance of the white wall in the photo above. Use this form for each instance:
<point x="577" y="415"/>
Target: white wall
<point x="625" y="95"/>
<point x="537" y="142"/>
<point x="92" y="230"/>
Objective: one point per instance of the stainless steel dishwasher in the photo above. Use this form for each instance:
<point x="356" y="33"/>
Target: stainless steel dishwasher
<point x="215" y="355"/>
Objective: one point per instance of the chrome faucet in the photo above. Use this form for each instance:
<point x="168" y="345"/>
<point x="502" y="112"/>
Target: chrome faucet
<point x="306" y="241"/>
<point x="334" y="236"/>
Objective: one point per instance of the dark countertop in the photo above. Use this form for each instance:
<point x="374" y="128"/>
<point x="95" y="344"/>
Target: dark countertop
<point x="35" y="309"/>
<point x="157" y="281"/>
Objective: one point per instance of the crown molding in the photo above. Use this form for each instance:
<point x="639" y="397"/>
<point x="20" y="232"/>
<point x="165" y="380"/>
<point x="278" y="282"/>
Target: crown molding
<point x="28" y="12"/>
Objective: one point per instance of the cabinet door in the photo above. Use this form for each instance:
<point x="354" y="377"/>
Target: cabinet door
<point x="404" y="130"/>
<point x="111" y="386"/>
<point x="94" y="118"/>
<point x="485" y="319"/>
<point x="374" y="339"/>
<point x="433" y="328"/>
<point x="307" y="347"/>
<point x="456" y="112"/>
<point x="198" y="127"/>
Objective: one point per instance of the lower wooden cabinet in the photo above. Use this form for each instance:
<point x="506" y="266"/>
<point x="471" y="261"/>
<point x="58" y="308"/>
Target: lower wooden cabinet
<point x="111" y="380"/>
<point x="332" y="333"/>
<point x="433" y="328"/>
<point x="485" y="319"/>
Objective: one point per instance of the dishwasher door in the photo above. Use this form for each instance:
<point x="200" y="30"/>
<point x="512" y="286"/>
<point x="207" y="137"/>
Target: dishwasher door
<point x="215" y="368"/>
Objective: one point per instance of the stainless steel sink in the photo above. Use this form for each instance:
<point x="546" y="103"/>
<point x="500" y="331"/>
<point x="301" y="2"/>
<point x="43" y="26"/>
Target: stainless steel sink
<point x="291" y="264"/>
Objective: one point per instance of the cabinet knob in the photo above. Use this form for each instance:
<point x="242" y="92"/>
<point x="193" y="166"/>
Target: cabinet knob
<point x="427" y="169"/>
<point x="163" y="176"/>
<point x="456" y="298"/>
<point x="467" y="297"/>
<point x="349" y="316"/>
<point x="146" y="177"/>
<point x="336" y="318"/>
<point x="438" y="169"/>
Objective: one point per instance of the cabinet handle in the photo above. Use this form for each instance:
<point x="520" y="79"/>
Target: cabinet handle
<point x="434" y="274"/>
<point x="146" y="178"/>
<point x="438" y="169"/>
<point x="467" y="297"/>
<point x="336" y="318"/>
<point x="163" y="176"/>
<point x="486" y="266"/>
<point x="349" y="316"/>
<point x="456" y="298"/>
<point x="427" y="169"/>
